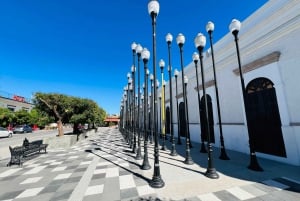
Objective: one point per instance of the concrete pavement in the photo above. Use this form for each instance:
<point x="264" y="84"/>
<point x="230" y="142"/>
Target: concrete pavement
<point x="102" y="167"/>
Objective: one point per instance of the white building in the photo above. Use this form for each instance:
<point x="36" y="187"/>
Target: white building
<point x="270" y="57"/>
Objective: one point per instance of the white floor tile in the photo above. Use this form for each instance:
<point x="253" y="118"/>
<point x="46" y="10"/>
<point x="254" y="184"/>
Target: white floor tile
<point x="31" y="180"/>
<point x="240" y="193"/>
<point x="56" y="163"/>
<point x="49" y="161"/>
<point x="112" y="172"/>
<point x="57" y="169"/>
<point x="126" y="181"/>
<point x="99" y="171"/>
<point x="9" y="172"/>
<point x="30" y="192"/>
<point x="62" y="176"/>
<point x="85" y="163"/>
<point x="72" y="157"/>
<point x="35" y="170"/>
<point x="208" y="197"/>
<point x="103" y="163"/>
<point x="145" y="190"/>
<point x="92" y="190"/>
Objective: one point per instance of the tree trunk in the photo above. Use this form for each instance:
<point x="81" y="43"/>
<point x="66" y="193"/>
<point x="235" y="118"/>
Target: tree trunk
<point x="60" y="128"/>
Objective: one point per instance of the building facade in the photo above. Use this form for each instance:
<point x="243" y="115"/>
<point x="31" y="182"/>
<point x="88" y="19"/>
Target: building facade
<point x="15" y="102"/>
<point x="269" y="50"/>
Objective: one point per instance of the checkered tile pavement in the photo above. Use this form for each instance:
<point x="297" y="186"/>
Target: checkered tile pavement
<point x="102" y="167"/>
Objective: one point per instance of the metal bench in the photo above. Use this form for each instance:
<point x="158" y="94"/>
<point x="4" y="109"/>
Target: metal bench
<point x="16" y="154"/>
<point x="20" y="153"/>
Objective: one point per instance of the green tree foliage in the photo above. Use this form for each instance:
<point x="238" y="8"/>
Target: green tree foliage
<point x="39" y="118"/>
<point x="69" y="109"/>
<point x="21" y="117"/>
<point x="6" y="117"/>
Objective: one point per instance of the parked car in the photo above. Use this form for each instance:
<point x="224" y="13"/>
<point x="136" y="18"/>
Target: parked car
<point x="22" y="129"/>
<point x="5" y="133"/>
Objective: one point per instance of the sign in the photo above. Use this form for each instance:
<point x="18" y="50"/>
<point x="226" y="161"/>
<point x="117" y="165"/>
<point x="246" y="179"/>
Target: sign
<point x="18" y="98"/>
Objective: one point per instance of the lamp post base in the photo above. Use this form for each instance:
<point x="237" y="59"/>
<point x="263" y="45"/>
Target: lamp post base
<point x="157" y="182"/>
<point x="254" y="164"/>
<point x="173" y="151"/>
<point x="163" y="146"/>
<point x="223" y="155"/>
<point x="203" y="149"/>
<point x="211" y="173"/>
<point x="138" y="154"/>
<point x="146" y="166"/>
<point x="179" y="141"/>
<point x="189" y="161"/>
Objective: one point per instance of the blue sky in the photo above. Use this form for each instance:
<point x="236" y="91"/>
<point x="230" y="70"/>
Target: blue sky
<point x="82" y="48"/>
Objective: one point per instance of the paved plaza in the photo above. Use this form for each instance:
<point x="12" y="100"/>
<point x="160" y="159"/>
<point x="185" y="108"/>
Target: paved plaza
<point x="102" y="167"/>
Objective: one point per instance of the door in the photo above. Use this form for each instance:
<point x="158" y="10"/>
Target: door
<point x="210" y="117"/>
<point x="263" y="116"/>
<point x="182" y="122"/>
<point x="168" y="120"/>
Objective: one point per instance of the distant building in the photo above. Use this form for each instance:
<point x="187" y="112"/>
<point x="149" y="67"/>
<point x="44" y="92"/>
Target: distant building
<point x="112" y="120"/>
<point x="15" y="102"/>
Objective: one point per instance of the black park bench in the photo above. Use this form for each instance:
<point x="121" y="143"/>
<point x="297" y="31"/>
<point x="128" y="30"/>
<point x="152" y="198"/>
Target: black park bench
<point x="20" y="153"/>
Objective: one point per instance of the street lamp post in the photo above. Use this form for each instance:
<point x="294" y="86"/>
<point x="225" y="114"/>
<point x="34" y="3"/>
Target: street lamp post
<point x="151" y="109"/>
<point x="145" y="57"/>
<point x="176" y="73"/>
<point x="169" y="39"/>
<point x="158" y="114"/>
<point x="131" y="100"/>
<point x="121" y="116"/>
<point x="234" y="27"/>
<point x="196" y="59"/>
<point x="188" y="159"/>
<point x="133" y="69"/>
<point x="126" y="110"/>
<point x="138" y="50"/>
<point x="210" y="28"/>
<point x="129" y="108"/>
<point x="162" y="106"/>
<point x="200" y="41"/>
<point x="159" y="97"/>
<point x="156" y="182"/>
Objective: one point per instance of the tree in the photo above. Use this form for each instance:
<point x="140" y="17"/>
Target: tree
<point x="39" y="118"/>
<point x="69" y="109"/>
<point x="6" y="117"/>
<point x="21" y="117"/>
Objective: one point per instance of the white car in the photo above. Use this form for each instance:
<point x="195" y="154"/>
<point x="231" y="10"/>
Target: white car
<point x="5" y="133"/>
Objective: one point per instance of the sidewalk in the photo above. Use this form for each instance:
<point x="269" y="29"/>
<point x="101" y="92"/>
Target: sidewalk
<point x="102" y="167"/>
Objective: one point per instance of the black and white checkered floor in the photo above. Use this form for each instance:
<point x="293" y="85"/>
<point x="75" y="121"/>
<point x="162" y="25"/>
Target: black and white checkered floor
<point x="102" y="167"/>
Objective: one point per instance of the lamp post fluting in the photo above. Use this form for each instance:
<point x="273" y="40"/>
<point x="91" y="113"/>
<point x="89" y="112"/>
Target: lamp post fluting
<point x="211" y="172"/>
<point x="129" y="109"/>
<point x="210" y="28"/>
<point x="133" y="69"/>
<point x="162" y="106"/>
<point x="234" y="27"/>
<point x="157" y="181"/>
<point x="169" y="39"/>
<point x="125" y="111"/>
<point x="176" y="73"/>
<point x="138" y="50"/>
<point x="131" y="100"/>
<point x="145" y="57"/>
<point x="127" y="116"/>
<point x="196" y="59"/>
<point x="151" y="109"/>
<point x="180" y="39"/>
